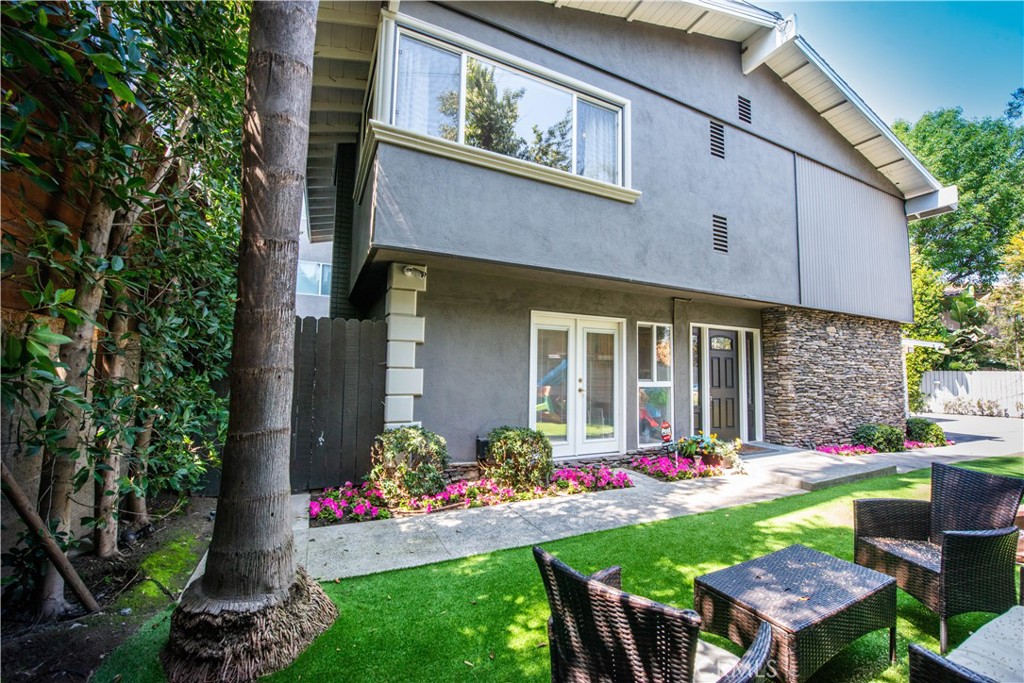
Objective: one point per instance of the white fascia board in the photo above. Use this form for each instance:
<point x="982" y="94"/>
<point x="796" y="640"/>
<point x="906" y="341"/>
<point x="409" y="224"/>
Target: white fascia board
<point x="763" y="44"/>
<point x="941" y="201"/>
<point x="855" y="99"/>
<point x="744" y="11"/>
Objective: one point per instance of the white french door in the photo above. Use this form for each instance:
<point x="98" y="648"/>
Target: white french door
<point x="576" y="383"/>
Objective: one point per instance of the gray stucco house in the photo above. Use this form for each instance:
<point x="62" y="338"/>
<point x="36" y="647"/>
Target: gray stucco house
<point x="594" y="217"/>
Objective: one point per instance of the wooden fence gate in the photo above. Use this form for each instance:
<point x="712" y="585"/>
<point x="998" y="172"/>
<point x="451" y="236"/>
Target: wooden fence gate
<point x="338" y="400"/>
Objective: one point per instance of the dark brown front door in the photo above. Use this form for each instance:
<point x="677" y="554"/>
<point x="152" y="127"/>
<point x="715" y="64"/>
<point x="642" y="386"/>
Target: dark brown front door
<point x="725" y="388"/>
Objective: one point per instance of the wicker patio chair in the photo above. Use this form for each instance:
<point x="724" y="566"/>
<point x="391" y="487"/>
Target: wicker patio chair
<point x="928" y="667"/>
<point x="954" y="553"/>
<point x="599" y="633"/>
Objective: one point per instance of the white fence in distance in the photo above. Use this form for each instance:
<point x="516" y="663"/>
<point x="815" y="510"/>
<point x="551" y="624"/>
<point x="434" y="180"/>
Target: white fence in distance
<point x="997" y="393"/>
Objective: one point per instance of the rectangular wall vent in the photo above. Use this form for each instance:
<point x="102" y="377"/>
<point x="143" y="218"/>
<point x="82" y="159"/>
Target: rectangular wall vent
<point x="717" y="140"/>
<point x="744" y="109"/>
<point x="720" y="233"/>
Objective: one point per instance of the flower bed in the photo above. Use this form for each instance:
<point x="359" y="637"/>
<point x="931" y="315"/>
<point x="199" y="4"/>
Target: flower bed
<point x="669" y="468"/>
<point x="846" y="449"/>
<point x="911" y="445"/>
<point x="363" y="503"/>
<point x="858" y="449"/>
<point x="349" y="503"/>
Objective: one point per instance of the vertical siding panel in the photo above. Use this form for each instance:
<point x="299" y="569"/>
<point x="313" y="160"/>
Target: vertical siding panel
<point x="854" y="246"/>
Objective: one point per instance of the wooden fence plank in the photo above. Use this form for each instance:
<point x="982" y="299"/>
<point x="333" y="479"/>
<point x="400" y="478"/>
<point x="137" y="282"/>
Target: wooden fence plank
<point x="338" y="401"/>
<point x="364" y="430"/>
<point x="299" y="465"/>
<point x="320" y="472"/>
<point x="350" y="417"/>
<point x="342" y="469"/>
<point x="303" y="399"/>
<point x="375" y="399"/>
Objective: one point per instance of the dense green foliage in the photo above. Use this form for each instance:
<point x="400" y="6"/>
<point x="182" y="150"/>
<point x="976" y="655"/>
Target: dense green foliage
<point x="928" y="325"/>
<point x="408" y="462"/>
<point x="519" y="458"/>
<point x="925" y="431"/>
<point x="984" y="158"/>
<point x="483" y="618"/>
<point x="133" y="107"/>
<point x="883" y="438"/>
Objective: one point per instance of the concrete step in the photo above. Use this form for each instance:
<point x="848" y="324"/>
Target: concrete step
<point x="828" y="474"/>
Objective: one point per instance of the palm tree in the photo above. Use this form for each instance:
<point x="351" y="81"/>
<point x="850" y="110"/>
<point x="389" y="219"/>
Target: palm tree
<point x="253" y="612"/>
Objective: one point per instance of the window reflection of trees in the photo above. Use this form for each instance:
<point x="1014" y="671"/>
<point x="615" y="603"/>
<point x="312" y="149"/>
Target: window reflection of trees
<point x="492" y="116"/>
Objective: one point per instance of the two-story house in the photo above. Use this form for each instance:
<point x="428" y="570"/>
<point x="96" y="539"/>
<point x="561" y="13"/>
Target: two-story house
<point x="594" y="217"/>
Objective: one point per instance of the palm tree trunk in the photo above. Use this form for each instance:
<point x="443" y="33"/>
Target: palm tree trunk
<point x="252" y="613"/>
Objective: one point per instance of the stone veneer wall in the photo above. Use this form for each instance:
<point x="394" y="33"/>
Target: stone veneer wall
<point x="825" y="374"/>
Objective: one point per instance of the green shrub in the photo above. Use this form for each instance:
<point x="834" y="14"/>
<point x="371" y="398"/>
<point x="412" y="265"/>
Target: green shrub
<point x="883" y="438"/>
<point x="408" y="462"/>
<point x="519" y="458"/>
<point x="925" y="431"/>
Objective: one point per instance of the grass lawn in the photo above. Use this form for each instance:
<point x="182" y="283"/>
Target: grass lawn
<point x="483" y="618"/>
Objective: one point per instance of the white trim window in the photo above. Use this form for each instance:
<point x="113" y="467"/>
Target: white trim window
<point x="314" y="279"/>
<point x="654" y="381"/>
<point x="495" y="102"/>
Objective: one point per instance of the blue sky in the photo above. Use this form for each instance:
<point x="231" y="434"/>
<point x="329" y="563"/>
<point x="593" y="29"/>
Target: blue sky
<point x="906" y="58"/>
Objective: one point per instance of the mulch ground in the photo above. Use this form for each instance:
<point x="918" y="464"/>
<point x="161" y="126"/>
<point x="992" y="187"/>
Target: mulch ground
<point x="73" y="648"/>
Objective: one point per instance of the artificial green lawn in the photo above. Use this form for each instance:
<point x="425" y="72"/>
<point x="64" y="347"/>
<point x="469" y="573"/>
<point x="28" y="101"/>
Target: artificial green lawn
<point x="483" y="618"/>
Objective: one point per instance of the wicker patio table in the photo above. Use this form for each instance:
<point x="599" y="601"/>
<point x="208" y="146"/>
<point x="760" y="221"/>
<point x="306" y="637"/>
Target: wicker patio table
<point x="816" y="604"/>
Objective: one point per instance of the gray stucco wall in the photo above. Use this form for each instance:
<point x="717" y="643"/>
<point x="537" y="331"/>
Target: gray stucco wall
<point x="476" y="354"/>
<point x="426" y="204"/>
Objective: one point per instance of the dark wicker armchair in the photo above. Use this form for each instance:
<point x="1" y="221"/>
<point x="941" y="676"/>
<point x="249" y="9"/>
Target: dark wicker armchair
<point x="954" y="553"/>
<point x="597" y="632"/>
<point x="928" y="667"/>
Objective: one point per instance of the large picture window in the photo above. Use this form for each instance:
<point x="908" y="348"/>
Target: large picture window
<point x="444" y="91"/>
<point x="654" y="380"/>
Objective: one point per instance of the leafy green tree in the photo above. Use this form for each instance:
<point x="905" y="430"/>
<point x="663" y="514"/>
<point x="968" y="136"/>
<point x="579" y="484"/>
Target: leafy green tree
<point x="118" y="109"/>
<point x="928" y="325"/>
<point x="970" y="343"/>
<point x="1006" y="306"/>
<point x="984" y="158"/>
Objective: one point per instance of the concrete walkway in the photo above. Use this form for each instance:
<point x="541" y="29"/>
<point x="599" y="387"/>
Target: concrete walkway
<point x="346" y="550"/>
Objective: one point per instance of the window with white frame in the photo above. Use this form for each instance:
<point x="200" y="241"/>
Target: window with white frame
<point x="654" y="380"/>
<point x="313" y="278"/>
<point x="446" y="91"/>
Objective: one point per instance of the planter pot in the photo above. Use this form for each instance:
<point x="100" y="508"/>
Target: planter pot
<point x="712" y="460"/>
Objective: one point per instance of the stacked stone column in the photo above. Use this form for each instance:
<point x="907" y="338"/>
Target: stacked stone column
<point x="825" y="374"/>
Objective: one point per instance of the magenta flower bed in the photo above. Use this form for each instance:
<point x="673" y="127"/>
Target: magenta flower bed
<point x="359" y="504"/>
<point x="349" y="503"/>
<point x="590" y="478"/>
<point x="911" y="445"/>
<point x="673" y="469"/>
<point x="846" y="449"/>
<point x="857" y="449"/>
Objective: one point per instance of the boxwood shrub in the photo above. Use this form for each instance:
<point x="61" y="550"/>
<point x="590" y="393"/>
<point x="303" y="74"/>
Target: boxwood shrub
<point x="881" y="437"/>
<point x="519" y="458"/>
<point x="408" y="462"/>
<point x="925" y="431"/>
